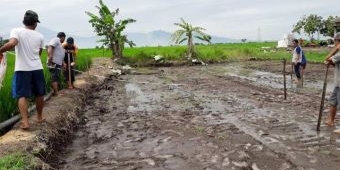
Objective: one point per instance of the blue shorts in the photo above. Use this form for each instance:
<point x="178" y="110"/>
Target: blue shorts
<point x="28" y="83"/>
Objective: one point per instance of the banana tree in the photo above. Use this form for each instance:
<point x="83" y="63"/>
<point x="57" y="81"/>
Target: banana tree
<point x="110" y="30"/>
<point x="186" y="33"/>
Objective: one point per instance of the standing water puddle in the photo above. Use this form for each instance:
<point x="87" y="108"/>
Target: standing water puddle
<point x="268" y="79"/>
<point x="139" y="102"/>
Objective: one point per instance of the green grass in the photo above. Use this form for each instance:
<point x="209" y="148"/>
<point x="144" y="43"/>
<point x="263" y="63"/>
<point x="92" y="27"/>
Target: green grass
<point x="18" y="161"/>
<point x="142" y="55"/>
<point x="218" y="53"/>
<point x="7" y="103"/>
<point x="85" y="56"/>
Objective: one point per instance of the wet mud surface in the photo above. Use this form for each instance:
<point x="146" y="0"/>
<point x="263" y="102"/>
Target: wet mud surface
<point x="230" y="116"/>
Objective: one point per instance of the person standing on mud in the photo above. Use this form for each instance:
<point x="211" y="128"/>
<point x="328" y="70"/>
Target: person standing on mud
<point x="333" y="58"/>
<point x="55" y="60"/>
<point x="71" y="52"/>
<point x="298" y="60"/>
<point x="28" y="77"/>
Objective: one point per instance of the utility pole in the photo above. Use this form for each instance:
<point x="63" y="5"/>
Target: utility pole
<point x="259" y="34"/>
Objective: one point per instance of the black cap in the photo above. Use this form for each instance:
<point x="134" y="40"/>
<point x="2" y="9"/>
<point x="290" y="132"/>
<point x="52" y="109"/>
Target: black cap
<point x="61" y="34"/>
<point x="31" y="16"/>
<point x="70" y="40"/>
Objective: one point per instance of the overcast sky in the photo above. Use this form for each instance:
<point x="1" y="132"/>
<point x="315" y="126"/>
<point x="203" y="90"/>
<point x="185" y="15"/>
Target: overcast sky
<point x="251" y="19"/>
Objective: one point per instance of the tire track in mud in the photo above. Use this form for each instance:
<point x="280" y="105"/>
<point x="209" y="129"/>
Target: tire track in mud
<point x="190" y="119"/>
<point x="304" y="146"/>
<point x="165" y="126"/>
<point x="287" y="127"/>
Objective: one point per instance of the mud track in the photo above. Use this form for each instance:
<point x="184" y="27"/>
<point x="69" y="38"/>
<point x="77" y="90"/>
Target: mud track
<point x="203" y="117"/>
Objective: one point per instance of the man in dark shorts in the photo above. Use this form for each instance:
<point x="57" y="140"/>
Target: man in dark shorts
<point x="298" y="60"/>
<point x="55" y="60"/>
<point x="28" y="77"/>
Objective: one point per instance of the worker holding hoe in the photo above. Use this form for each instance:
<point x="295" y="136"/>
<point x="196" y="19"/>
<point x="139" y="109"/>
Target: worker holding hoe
<point x="333" y="58"/>
<point x="71" y="52"/>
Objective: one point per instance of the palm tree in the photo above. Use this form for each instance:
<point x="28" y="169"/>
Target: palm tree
<point x="109" y="30"/>
<point x="187" y="33"/>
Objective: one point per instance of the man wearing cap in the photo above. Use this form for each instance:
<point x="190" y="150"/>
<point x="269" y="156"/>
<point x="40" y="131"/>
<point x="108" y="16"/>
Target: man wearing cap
<point x="71" y="52"/>
<point x="334" y="58"/>
<point x="55" y="59"/>
<point x="28" y="79"/>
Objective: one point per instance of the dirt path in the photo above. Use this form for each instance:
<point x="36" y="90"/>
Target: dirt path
<point x="211" y="117"/>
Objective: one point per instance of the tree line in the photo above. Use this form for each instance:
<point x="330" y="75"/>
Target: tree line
<point x="313" y="24"/>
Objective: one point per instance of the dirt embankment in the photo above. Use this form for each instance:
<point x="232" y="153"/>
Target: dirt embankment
<point x="44" y="139"/>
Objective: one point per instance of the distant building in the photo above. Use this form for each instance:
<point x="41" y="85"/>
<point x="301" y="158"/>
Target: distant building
<point x="286" y="41"/>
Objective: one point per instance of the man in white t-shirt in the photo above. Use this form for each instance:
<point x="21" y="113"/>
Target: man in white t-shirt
<point x="297" y="59"/>
<point x="55" y="59"/>
<point x="28" y="77"/>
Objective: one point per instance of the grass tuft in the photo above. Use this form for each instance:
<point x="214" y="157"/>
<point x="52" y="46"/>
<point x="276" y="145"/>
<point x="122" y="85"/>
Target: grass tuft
<point x="18" y="161"/>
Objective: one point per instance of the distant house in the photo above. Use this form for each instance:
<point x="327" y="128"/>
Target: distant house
<point x="286" y="41"/>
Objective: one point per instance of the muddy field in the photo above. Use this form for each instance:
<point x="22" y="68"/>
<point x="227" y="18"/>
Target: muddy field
<point x="227" y="116"/>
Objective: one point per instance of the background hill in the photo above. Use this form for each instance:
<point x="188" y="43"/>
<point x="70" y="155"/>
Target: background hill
<point x="163" y="38"/>
<point x="154" y="38"/>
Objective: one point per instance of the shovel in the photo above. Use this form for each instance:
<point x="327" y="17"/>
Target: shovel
<point x="322" y="99"/>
